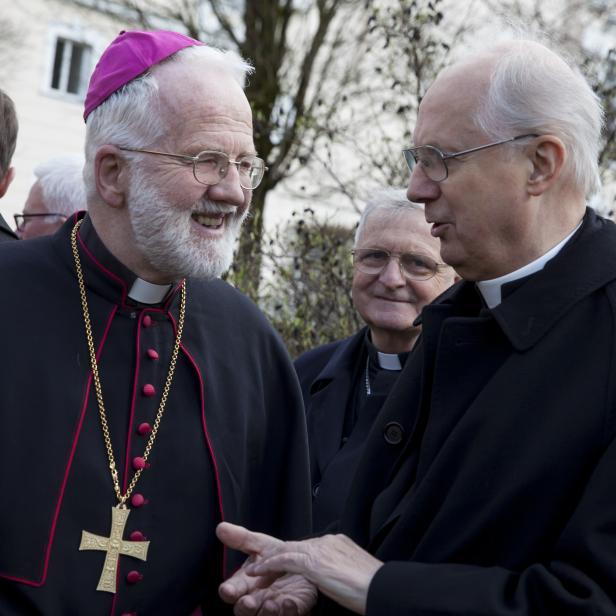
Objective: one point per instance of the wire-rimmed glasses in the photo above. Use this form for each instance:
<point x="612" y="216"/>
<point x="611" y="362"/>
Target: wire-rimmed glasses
<point x="432" y="160"/>
<point x="22" y="219"/>
<point x="211" y="167"/>
<point x="415" y="266"/>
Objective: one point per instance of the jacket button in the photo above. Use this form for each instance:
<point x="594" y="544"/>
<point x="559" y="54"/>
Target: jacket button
<point x="139" y="463"/>
<point x="315" y="489"/>
<point x="137" y="535"/>
<point x="144" y="428"/>
<point x="393" y="433"/>
<point x="152" y="354"/>
<point x="148" y="390"/>
<point x="138" y="500"/>
<point x="132" y="577"/>
<point x="147" y="321"/>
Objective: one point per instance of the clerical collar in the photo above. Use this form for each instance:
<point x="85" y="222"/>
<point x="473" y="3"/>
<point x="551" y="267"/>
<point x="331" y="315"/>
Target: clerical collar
<point x="385" y="361"/>
<point x="389" y="361"/>
<point x="491" y="289"/>
<point x="144" y="292"/>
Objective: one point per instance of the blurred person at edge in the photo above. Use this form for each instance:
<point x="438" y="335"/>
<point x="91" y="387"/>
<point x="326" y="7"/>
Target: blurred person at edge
<point x="397" y="271"/>
<point x="57" y="193"/>
<point x="8" y="141"/>
<point x="144" y="399"/>
<point x="498" y="497"/>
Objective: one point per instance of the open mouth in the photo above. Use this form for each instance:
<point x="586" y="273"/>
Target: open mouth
<point x="210" y="221"/>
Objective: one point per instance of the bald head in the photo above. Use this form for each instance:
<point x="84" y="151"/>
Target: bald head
<point x="520" y="87"/>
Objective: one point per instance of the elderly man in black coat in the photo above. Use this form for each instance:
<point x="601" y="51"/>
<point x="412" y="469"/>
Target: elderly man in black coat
<point x="500" y="498"/>
<point x="144" y="400"/>
<point x="397" y="271"/>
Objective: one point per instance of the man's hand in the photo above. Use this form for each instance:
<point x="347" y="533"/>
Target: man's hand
<point x="335" y="564"/>
<point x="269" y="595"/>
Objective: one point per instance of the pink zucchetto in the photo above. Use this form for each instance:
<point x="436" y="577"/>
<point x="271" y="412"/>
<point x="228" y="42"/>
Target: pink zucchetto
<point x="128" y="56"/>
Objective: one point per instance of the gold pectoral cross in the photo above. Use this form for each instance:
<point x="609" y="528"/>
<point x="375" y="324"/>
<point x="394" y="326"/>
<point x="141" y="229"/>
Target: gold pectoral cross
<point x="115" y="547"/>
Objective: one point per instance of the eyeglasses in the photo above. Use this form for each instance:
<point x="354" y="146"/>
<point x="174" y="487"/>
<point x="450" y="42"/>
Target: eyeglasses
<point x="414" y="266"/>
<point x="22" y="219"/>
<point x="211" y="167"/>
<point x="432" y="160"/>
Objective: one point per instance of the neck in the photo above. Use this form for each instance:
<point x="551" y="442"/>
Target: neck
<point x="387" y="341"/>
<point x="115" y="232"/>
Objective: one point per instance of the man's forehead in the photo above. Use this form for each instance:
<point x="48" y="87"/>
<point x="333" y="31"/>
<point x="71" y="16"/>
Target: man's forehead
<point x="452" y="101"/>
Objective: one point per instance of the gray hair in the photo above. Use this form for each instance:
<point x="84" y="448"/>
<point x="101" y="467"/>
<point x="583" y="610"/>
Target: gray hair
<point x="131" y="116"/>
<point x="388" y="201"/>
<point x="8" y="132"/>
<point x="61" y="181"/>
<point x="534" y="90"/>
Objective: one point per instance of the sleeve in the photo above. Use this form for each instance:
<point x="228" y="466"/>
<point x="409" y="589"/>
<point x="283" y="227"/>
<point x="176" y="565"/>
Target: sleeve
<point x="577" y="579"/>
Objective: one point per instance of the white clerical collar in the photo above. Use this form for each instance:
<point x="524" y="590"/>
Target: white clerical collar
<point x="148" y="293"/>
<point x="491" y="289"/>
<point x="389" y="361"/>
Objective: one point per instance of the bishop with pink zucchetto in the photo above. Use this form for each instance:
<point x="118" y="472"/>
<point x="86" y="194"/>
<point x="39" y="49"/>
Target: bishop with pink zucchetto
<point x="144" y="399"/>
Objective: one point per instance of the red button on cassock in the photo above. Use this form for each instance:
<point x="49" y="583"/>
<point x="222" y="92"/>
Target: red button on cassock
<point x="152" y="354"/>
<point x="132" y="577"/>
<point x="144" y="428"/>
<point x="137" y="535"/>
<point x="137" y="500"/>
<point x="148" y="390"/>
<point x="138" y="463"/>
<point x="147" y="320"/>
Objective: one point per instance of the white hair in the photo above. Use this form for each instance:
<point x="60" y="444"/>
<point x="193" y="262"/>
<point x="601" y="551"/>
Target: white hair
<point x="387" y="201"/>
<point x="131" y="117"/>
<point x="61" y="182"/>
<point x="534" y="90"/>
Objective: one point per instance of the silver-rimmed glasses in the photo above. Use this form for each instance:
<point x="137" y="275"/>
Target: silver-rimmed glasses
<point x="22" y="219"/>
<point x="413" y="265"/>
<point x="432" y="160"/>
<point x="211" y="167"/>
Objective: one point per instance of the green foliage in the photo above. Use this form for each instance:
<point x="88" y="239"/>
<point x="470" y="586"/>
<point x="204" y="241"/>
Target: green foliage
<point x="305" y="289"/>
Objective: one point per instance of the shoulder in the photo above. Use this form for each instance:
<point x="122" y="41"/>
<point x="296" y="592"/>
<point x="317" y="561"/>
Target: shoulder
<point x="27" y="259"/>
<point x="311" y="363"/>
<point x="219" y="310"/>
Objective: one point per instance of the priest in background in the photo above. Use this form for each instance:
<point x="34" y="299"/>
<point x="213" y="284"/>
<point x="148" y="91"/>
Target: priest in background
<point x="397" y="271"/>
<point x="143" y="399"/>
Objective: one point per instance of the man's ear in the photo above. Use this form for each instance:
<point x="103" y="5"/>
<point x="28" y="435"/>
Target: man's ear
<point x="6" y="182"/>
<point x="110" y="174"/>
<point x="547" y="157"/>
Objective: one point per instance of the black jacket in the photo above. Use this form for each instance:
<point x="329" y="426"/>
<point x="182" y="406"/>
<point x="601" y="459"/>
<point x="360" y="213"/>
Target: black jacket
<point x="501" y="498"/>
<point x="231" y="444"/>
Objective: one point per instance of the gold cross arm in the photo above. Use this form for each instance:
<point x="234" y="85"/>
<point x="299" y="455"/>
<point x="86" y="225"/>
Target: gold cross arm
<point x="115" y="547"/>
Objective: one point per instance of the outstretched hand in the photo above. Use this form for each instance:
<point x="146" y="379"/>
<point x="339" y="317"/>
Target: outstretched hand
<point x="268" y="595"/>
<point x="337" y="566"/>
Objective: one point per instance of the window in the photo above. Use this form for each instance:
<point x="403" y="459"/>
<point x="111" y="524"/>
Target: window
<point x="71" y="66"/>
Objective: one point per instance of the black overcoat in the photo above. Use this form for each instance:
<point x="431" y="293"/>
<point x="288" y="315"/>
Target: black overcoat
<point x="327" y="376"/>
<point x="500" y="500"/>
<point x="231" y="444"/>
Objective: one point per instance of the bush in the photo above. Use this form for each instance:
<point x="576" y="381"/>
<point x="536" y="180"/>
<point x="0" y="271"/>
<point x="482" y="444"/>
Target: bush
<point x="305" y="288"/>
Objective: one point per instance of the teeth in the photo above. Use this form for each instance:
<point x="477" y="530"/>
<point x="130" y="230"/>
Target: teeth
<point x="207" y="221"/>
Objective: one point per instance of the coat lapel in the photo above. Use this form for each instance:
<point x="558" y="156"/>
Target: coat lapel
<point x="330" y="393"/>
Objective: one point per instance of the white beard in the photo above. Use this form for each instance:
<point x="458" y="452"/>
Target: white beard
<point x="164" y="235"/>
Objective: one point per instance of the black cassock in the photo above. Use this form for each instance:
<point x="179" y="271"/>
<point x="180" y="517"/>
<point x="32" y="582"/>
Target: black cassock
<point x="231" y="444"/>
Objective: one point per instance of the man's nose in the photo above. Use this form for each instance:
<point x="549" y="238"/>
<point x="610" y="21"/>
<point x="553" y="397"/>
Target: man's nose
<point x="229" y="189"/>
<point x="391" y="275"/>
<point x="421" y="188"/>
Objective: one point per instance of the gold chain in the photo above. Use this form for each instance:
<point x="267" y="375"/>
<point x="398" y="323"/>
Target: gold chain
<point x="122" y="498"/>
